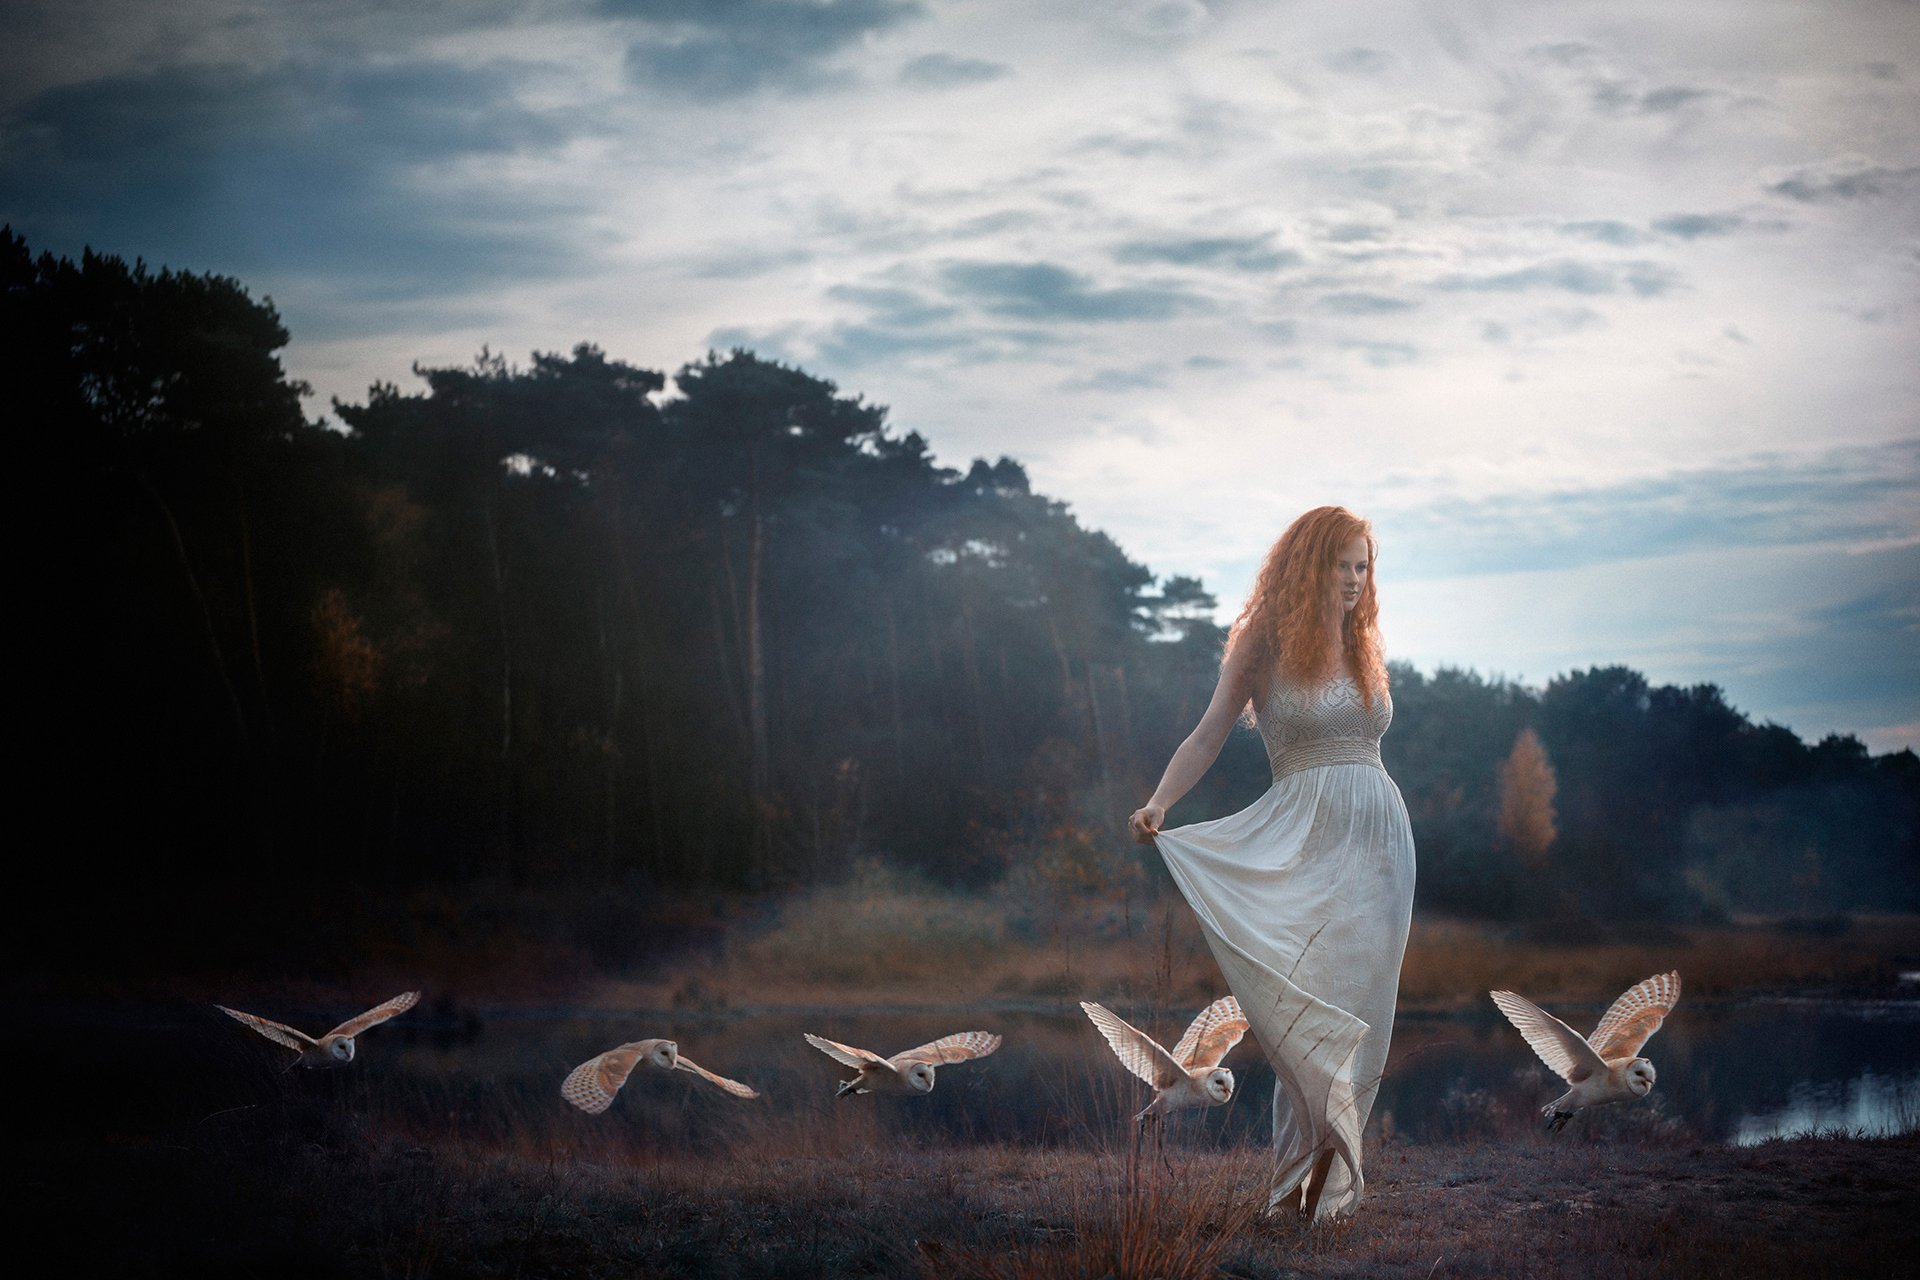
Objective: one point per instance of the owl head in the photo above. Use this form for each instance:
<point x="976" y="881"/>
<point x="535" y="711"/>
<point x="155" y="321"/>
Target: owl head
<point x="1640" y="1077"/>
<point x="1218" y="1086"/>
<point x="340" y="1050"/>
<point x="919" y="1077"/>
<point x="665" y="1055"/>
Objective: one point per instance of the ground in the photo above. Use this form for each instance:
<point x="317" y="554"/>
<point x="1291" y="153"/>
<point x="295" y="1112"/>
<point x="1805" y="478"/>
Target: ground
<point x="173" y="1142"/>
<point x="332" y="1202"/>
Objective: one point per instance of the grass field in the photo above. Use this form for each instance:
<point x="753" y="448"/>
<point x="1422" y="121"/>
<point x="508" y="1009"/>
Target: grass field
<point x="445" y="1152"/>
<point x="334" y="1199"/>
<point x="882" y="940"/>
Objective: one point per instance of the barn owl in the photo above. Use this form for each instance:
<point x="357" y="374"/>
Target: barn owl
<point x="334" y="1049"/>
<point x="1606" y="1066"/>
<point x="591" y="1085"/>
<point x="909" y="1072"/>
<point x="1190" y="1076"/>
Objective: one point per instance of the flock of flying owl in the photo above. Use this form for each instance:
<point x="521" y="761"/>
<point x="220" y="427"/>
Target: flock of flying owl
<point x="1601" y="1068"/>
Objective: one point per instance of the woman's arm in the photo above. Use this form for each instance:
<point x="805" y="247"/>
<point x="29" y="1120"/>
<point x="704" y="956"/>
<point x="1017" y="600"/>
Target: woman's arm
<point x="1196" y="755"/>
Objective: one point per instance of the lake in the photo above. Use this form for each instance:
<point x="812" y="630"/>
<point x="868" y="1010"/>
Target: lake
<point x="1731" y="1071"/>
<point x="1734" y="1071"/>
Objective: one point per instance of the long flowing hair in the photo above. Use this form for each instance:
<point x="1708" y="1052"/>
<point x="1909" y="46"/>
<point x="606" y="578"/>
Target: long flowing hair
<point x="1284" y="624"/>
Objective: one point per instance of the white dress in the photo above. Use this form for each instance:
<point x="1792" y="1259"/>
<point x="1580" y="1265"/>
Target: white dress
<point x="1305" y="897"/>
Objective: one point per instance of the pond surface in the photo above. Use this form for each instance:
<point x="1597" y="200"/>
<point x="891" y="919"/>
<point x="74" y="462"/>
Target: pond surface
<point x="1869" y="1104"/>
<point x="1739" y="1072"/>
<point x="1731" y="1071"/>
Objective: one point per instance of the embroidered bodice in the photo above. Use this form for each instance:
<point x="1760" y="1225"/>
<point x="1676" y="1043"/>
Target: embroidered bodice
<point x="1322" y="724"/>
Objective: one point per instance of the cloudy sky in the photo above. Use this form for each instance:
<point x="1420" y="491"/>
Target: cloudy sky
<point x="1605" y="312"/>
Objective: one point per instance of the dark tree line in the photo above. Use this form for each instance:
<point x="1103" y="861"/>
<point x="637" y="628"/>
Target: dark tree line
<point x="1669" y="802"/>
<point x="574" y="622"/>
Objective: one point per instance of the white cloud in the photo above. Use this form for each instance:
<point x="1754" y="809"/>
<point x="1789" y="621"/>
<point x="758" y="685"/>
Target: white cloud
<point x="1199" y="266"/>
<point x="1820" y="639"/>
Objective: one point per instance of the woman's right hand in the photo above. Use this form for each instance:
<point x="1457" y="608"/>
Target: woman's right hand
<point x="1144" y="824"/>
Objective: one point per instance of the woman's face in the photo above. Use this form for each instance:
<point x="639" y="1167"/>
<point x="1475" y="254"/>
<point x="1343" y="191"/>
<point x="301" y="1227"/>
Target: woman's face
<point x="1350" y="570"/>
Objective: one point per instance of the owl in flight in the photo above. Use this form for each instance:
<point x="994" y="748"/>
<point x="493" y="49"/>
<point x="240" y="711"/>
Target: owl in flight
<point x="909" y="1072"/>
<point x="1606" y="1066"/>
<point x="334" y="1049"/>
<point x="592" y="1085"/>
<point x="1190" y="1076"/>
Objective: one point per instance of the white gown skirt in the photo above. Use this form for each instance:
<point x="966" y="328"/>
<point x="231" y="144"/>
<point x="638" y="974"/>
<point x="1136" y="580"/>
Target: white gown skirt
<point x="1305" y="897"/>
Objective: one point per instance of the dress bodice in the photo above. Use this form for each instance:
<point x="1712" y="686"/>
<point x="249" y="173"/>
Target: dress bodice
<point x="1308" y="726"/>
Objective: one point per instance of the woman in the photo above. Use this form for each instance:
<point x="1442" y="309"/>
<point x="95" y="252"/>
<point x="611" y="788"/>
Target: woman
<point x="1306" y="896"/>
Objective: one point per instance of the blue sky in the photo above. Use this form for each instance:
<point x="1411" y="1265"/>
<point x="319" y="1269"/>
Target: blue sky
<point x="1605" y="312"/>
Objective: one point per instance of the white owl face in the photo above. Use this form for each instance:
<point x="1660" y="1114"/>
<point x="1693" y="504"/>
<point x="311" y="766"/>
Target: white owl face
<point x="665" y="1055"/>
<point x="920" y="1078"/>
<point x="1640" y="1077"/>
<point x="1219" y="1085"/>
<point x="341" y="1050"/>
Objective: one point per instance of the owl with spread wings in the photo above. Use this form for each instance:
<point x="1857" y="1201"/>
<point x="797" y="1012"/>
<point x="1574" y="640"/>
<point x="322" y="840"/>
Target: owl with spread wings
<point x="910" y="1072"/>
<point x="1189" y="1076"/>
<point x="334" y="1049"/>
<point x="1606" y="1066"/>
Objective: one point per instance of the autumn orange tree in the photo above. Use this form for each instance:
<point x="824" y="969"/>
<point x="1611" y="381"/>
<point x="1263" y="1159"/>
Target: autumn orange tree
<point x="1527" y="788"/>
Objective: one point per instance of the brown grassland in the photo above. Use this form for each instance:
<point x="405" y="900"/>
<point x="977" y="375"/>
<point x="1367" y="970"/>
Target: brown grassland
<point x="880" y="940"/>
<point x="334" y="1202"/>
<point x="429" y="1158"/>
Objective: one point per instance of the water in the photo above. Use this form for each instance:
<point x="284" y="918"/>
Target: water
<point x="1739" y="1072"/>
<point x="1869" y="1104"/>
<point x="1732" y="1072"/>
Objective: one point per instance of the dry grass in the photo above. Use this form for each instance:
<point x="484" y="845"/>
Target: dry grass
<point x="875" y="928"/>
<point x="884" y="939"/>
<point x="1452" y="964"/>
<point x="218" y="1163"/>
<point x="352" y="1206"/>
<point x="881" y="939"/>
<point x="1124" y="1217"/>
<point x="446" y="1152"/>
<point x="1040" y="938"/>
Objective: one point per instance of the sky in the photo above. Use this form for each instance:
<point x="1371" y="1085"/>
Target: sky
<point x="1604" y="312"/>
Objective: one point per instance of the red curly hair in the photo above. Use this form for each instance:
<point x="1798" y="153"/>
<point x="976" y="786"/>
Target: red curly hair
<point x="1285" y="619"/>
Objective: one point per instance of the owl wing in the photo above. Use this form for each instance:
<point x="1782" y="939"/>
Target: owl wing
<point x="961" y="1046"/>
<point x="1138" y="1052"/>
<point x="592" y="1085"/>
<point x="734" y="1087"/>
<point x="845" y="1054"/>
<point x="1635" y="1016"/>
<point x="1212" y="1035"/>
<point x="1558" y="1044"/>
<point x="278" y="1032"/>
<point x="376" y="1015"/>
